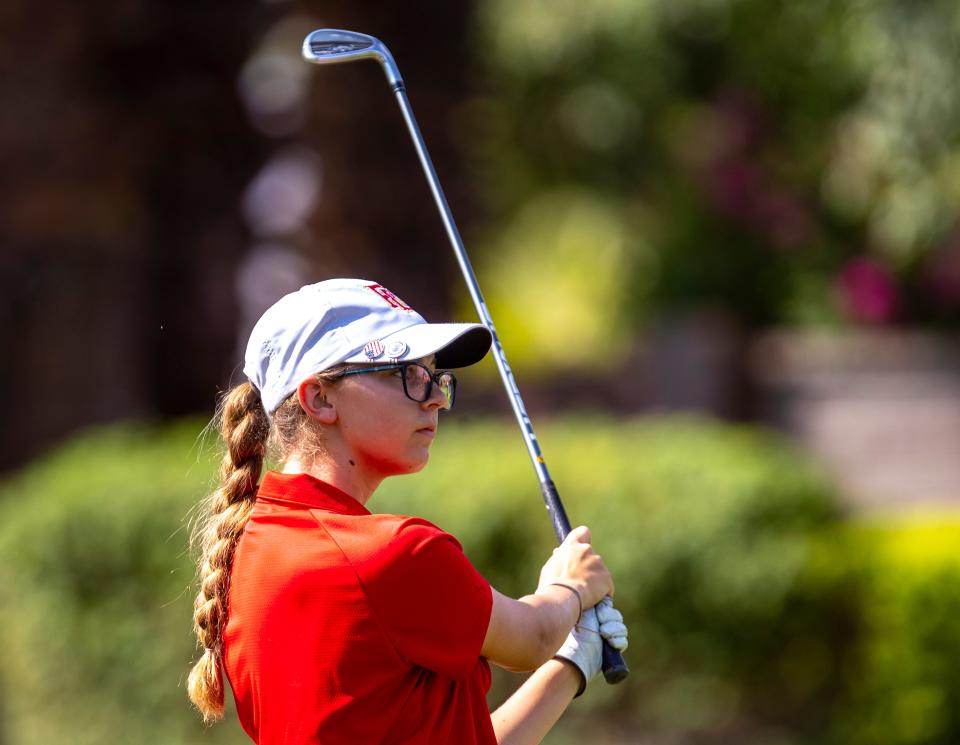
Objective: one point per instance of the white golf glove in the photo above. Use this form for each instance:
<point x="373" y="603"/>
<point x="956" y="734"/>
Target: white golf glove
<point x="584" y="645"/>
<point x="612" y="627"/>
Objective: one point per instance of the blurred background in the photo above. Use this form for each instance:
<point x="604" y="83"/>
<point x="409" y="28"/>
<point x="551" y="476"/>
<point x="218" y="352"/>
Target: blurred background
<point x="721" y="243"/>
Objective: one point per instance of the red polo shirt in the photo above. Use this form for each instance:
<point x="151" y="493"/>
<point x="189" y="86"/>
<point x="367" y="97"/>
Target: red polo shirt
<point x="349" y="627"/>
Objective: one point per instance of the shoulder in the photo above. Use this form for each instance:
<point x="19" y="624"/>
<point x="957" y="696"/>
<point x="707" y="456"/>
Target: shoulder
<point x="378" y="537"/>
<point x="414" y="532"/>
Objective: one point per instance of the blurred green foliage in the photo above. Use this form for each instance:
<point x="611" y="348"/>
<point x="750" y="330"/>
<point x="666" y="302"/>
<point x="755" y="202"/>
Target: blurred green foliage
<point x="903" y="683"/>
<point x="96" y="592"/>
<point x="795" y="162"/>
<point x="756" y="613"/>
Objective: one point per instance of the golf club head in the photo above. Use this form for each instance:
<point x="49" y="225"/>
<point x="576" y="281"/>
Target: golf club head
<point x="328" y="46"/>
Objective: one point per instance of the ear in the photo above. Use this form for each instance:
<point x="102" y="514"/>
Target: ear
<point x="312" y="394"/>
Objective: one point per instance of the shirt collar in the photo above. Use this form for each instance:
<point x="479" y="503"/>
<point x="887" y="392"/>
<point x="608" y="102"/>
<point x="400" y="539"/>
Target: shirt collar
<point x="309" y="491"/>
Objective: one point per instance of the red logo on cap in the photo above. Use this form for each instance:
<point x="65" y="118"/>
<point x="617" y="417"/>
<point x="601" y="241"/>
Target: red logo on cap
<point x="392" y="299"/>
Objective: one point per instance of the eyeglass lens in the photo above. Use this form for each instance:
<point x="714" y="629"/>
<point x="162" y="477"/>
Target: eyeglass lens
<point x="418" y="382"/>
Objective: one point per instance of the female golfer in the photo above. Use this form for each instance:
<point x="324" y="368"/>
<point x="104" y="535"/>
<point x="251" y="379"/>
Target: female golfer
<point x="334" y="624"/>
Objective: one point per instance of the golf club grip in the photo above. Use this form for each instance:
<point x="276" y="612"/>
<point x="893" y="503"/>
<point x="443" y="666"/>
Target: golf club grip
<point x="614" y="667"/>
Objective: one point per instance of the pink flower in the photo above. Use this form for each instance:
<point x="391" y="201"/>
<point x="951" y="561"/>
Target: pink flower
<point x="867" y="291"/>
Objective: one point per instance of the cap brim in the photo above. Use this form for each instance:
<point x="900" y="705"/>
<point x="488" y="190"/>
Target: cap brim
<point x="454" y="344"/>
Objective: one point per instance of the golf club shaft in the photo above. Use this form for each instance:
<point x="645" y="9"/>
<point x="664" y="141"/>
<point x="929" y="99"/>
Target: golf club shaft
<point x="614" y="667"/>
<point x="331" y="46"/>
<point x="558" y="516"/>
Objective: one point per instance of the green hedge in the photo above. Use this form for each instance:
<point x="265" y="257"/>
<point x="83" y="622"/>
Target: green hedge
<point x="755" y="613"/>
<point x="96" y="592"/>
<point x="902" y="678"/>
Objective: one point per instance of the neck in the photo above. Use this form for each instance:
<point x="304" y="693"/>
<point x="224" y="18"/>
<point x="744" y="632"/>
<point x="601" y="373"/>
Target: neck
<point x="346" y="476"/>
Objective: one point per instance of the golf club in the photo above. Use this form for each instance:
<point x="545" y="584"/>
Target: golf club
<point x="331" y="46"/>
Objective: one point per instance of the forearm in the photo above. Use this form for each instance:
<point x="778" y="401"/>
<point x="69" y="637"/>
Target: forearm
<point x="556" y="611"/>
<point x="527" y="716"/>
<point x="525" y="633"/>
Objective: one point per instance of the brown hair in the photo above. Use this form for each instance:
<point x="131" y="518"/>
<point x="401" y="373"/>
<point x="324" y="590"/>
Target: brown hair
<point x="246" y="432"/>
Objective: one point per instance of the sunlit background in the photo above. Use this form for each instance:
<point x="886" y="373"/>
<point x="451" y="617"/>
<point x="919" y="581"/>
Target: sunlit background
<point x="721" y="243"/>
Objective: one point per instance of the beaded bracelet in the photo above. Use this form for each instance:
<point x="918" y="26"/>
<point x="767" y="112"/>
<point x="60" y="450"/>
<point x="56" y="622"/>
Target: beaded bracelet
<point x="576" y="592"/>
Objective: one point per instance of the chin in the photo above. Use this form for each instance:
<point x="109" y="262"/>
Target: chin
<point x="411" y="460"/>
<point x="403" y="469"/>
<point x="414" y="466"/>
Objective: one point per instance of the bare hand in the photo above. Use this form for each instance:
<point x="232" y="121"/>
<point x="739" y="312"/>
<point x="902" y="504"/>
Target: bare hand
<point x="575" y="563"/>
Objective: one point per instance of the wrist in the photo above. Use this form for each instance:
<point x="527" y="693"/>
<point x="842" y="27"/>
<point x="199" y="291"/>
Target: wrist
<point x="571" y="588"/>
<point x="567" y="594"/>
<point x="568" y="675"/>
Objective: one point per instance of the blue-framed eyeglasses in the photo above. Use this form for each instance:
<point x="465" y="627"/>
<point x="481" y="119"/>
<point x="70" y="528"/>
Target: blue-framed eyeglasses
<point x="418" y="381"/>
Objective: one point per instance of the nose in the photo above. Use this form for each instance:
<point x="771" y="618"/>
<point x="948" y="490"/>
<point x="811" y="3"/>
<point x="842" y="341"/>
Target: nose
<point x="436" y="400"/>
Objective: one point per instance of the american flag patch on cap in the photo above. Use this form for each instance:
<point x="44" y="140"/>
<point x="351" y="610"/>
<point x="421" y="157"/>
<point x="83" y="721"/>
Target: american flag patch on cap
<point x="373" y="350"/>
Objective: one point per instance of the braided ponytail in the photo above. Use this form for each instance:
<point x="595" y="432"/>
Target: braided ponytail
<point x="245" y="429"/>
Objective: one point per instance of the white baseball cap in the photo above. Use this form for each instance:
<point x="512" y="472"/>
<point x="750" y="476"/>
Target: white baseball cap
<point x="348" y="320"/>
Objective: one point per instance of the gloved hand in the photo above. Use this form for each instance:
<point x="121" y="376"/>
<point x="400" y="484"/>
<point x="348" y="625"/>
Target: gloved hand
<point x="584" y="646"/>
<point x="612" y="627"/>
